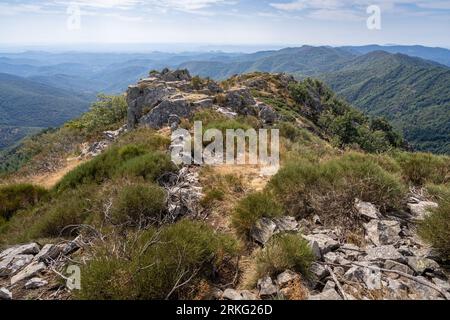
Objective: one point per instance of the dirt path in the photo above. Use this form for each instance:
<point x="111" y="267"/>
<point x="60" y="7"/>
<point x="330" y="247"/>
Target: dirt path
<point x="49" y="180"/>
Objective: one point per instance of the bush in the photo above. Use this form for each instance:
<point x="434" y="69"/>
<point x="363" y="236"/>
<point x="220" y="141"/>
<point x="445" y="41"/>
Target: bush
<point x="185" y="252"/>
<point x="139" y="204"/>
<point x="435" y="229"/>
<point x="150" y="166"/>
<point x="284" y="252"/>
<point x="252" y="208"/>
<point x="18" y="197"/>
<point x="212" y="196"/>
<point x="422" y="168"/>
<point x="101" y="168"/>
<point x="145" y="138"/>
<point x="61" y="216"/>
<point x="330" y="188"/>
<point x="105" y="114"/>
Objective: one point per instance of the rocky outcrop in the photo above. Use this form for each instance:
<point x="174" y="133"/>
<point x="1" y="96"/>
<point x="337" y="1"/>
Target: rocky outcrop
<point x="393" y="264"/>
<point x="26" y="266"/>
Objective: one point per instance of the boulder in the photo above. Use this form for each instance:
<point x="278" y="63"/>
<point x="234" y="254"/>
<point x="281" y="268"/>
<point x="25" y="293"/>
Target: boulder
<point x="367" y="210"/>
<point x="444" y="285"/>
<point x="143" y="99"/>
<point x="266" y="287"/>
<point x="325" y="243"/>
<point x="421" y="265"/>
<point x="14" y="264"/>
<point x="394" y="265"/>
<point x="31" y="248"/>
<point x="327" y="295"/>
<point x="383" y="232"/>
<point x="263" y="230"/>
<point x="236" y="295"/>
<point x="330" y="285"/>
<point x="267" y="114"/>
<point x="335" y="258"/>
<point x="286" y="224"/>
<point x="318" y="271"/>
<point x="241" y="101"/>
<point x="159" y="116"/>
<point x="370" y="277"/>
<point x="421" y="209"/>
<point x="203" y="104"/>
<point x="5" y="294"/>
<point x="35" y="283"/>
<point x="175" y="75"/>
<point x="31" y="270"/>
<point x="387" y="252"/>
<point x="286" y="277"/>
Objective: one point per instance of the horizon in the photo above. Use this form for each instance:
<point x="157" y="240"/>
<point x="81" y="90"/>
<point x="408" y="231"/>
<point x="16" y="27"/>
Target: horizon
<point x="276" y="23"/>
<point x="175" y="48"/>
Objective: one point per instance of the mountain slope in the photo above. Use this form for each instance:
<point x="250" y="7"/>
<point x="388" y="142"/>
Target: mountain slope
<point x="30" y="104"/>
<point x="413" y="93"/>
<point x="439" y="55"/>
<point x="306" y="60"/>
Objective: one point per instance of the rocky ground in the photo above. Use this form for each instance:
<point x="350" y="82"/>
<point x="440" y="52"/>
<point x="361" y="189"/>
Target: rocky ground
<point x="391" y="262"/>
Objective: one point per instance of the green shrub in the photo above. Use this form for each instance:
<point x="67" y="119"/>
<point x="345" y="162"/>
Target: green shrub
<point x="422" y="168"/>
<point x="329" y="188"/>
<point x="145" y="138"/>
<point x="18" y="197"/>
<point x="150" y="166"/>
<point x="61" y="216"/>
<point x="252" y="208"/>
<point x="284" y="252"/>
<point x="436" y="229"/>
<point x="100" y="168"/>
<point x="139" y="204"/>
<point x="211" y="196"/>
<point x="105" y="114"/>
<point x="185" y="252"/>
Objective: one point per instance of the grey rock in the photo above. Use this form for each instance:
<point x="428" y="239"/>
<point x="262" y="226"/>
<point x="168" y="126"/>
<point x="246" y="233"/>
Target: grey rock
<point x="421" y="265"/>
<point x="159" y="116"/>
<point x="31" y="248"/>
<point x="383" y="232"/>
<point x="204" y="103"/>
<point x="418" y="291"/>
<point x="5" y="294"/>
<point x="285" y="224"/>
<point x="235" y="295"/>
<point x="325" y="243"/>
<point x="367" y="210"/>
<point x="389" y="232"/>
<point x="176" y="75"/>
<point x="286" y="277"/>
<point x="318" y="271"/>
<point x="444" y="285"/>
<point x="387" y="252"/>
<point x="241" y="101"/>
<point x="29" y="271"/>
<point x="330" y="285"/>
<point x="372" y="234"/>
<point x="335" y="258"/>
<point x="49" y="252"/>
<point x="263" y="230"/>
<point x="422" y="209"/>
<point x="267" y="114"/>
<point x="370" y="277"/>
<point x="327" y="295"/>
<point x="14" y="264"/>
<point x="35" y="283"/>
<point x="394" y="265"/>
<point x="143" y="99"/>
<point x="266" y="287"/>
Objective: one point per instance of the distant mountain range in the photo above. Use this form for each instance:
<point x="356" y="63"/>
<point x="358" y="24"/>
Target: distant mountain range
<point x="407" y="84"/>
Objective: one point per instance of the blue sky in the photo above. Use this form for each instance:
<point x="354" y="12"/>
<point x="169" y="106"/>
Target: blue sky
<point x="242" y="22"/>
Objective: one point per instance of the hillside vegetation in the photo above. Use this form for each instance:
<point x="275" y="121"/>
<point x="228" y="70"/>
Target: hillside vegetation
<point x="146" y="234"/>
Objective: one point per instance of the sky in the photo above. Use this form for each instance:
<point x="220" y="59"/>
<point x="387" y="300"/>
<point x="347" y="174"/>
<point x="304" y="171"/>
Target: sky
<point x="212" y="23"/>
